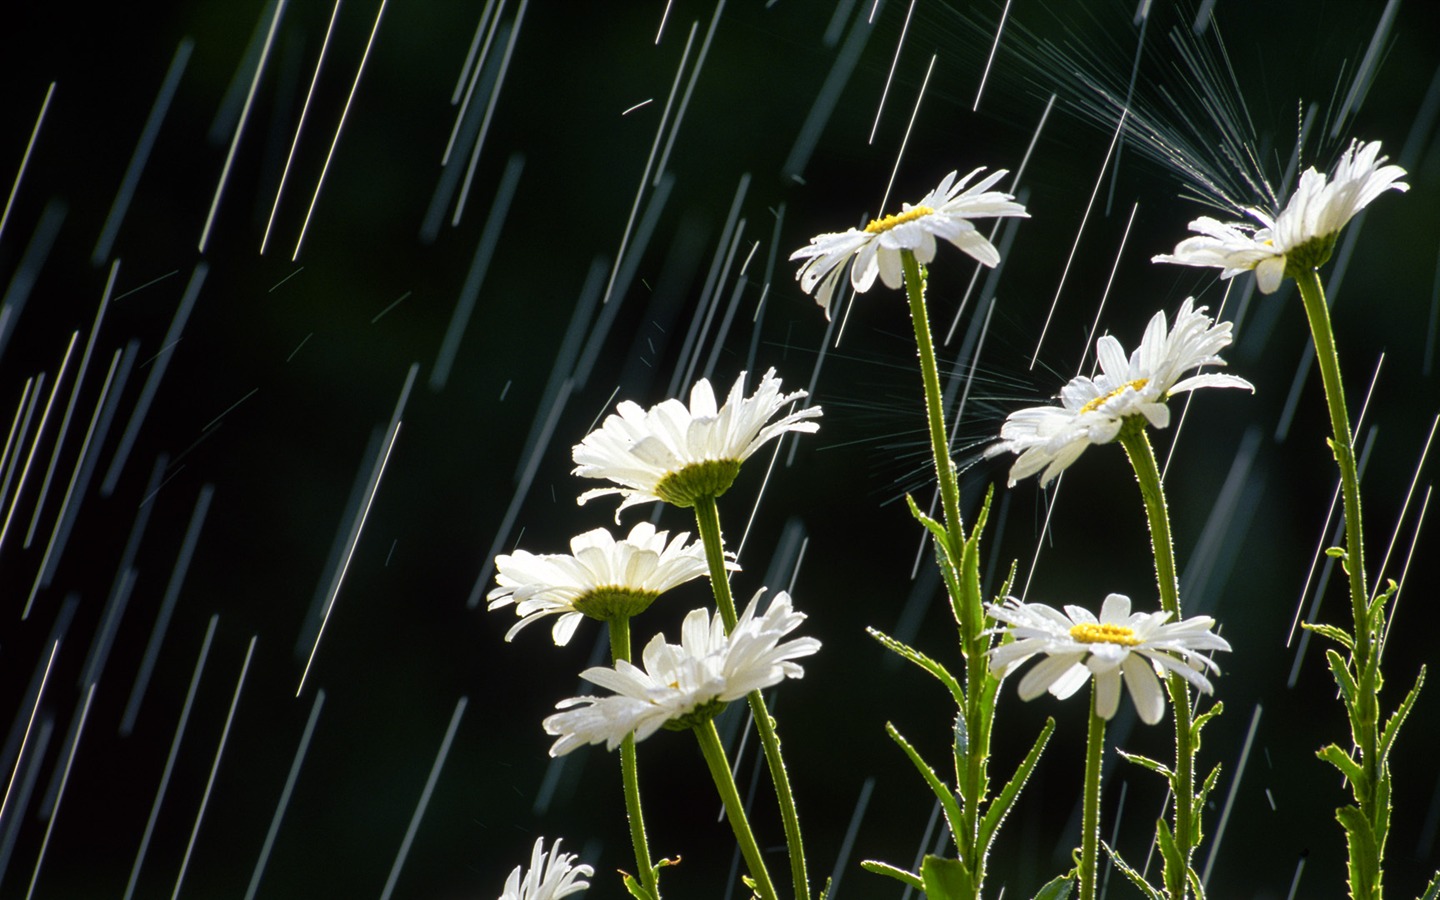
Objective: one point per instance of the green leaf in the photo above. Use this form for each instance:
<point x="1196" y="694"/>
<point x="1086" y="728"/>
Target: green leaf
<point x="1000" y="807"/>
<point x="635" y="888"/>
<point x="1343" y="677"/>
<point x="942" y="793"/>
<point x="920" y="659"/>
<point x="1364" y="863"/>
<point x="1169" y="850"/>
<point x="899" y="874"/>
<point x="946" y="879"/>
<point x="1146" y="762"/>
<point x="1057" y="889"/>
<point x="1342" y="761"/>
<point x="1338" y="635"/>
<point x="1129" y="872"/>
<point x="1392" y="727"/>
<point x="1336" y="553"/>
<point x="1432" y="891"/>
<point x="930" y="524"/>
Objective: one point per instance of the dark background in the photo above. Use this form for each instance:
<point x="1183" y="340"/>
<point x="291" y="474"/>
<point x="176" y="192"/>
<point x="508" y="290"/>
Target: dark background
<point x="279" y="394"/>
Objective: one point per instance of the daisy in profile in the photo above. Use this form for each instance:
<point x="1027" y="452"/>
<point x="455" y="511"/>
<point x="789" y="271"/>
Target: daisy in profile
<point x="686" y="684"/>
<point x="679" y="454"/>
<point x="944" y="213"/>
<point x="1119" y="645"/>
<point x="600" y="577"/>
<point x="546" y="879"/>
<point x="1092" y="410"/>
<point x="1302" y="235"/>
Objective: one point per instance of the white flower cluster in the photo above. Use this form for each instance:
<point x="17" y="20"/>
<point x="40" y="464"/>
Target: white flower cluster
<point x="1050" y="438"/>
<point x="1317" y="211"/>
<point x="671" y="451"/>
<point x="944" y="213"/>
<point x="689" y="679"/>
<point x="1117" y="645"/>
<point x="599" y="577"/>
<point x="546" y="879"/>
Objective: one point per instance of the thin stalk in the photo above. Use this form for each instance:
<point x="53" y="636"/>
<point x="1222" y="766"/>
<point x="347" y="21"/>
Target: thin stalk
<point x="1142" y="459"/>
<point x="934" y="401"/>
<point x="1364" y="712"/>
<point x="707" y="520"/>
<point x="1342" y="442"/>
<point x="969" y="609"/>
<point x="734" y="808"/>
<point x="1090" y="816"/>
<point x="620" y="649"/>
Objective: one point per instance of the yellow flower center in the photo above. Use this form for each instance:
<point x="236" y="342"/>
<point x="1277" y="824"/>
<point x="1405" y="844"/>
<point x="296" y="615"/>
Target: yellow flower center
<point x="1137" y="384"/>
<point x="1086" y="633"/>
<point x="876" y="226"/>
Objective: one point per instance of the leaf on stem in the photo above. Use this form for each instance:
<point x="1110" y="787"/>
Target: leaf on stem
<point x="1157" y="767"/>
<point x="920" y="659"/>
<point x="1201" y="721"/>
<point x="1364" y="863"/>
<point x="1392" y="727"/>
<point x="1057" y="889"/>
<point x="942" y="793"/>
<point x="1338" y="635"/>
<point x="1002" y="803"/>
<point x="946" y="879"/>
<point x="1344" y="679"/>
<point x="1169" y="851"/>
<point x="895" y="872"/>
<point x="1129" y="872"/>
<point x="1348" y="767"/>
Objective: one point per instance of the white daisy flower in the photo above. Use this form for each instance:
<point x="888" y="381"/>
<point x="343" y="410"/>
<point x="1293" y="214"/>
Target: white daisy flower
<point x="944" y="212"/>
<point x="678" y="454"/>
<point x="546" y="879"/>
<point x="600" y="577"/>
<point x="682" y="685"/>
<point x="1117" y="645"/>
<point x="1093" y="409"/>
<point x="1303" y="233"/>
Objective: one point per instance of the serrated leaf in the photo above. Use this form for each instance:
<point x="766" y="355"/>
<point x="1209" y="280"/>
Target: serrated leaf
<point x="1057" y="889"/>
<point x="1392" y="727"/>
<point x="1129" y="872"/>
<point x="1338" y="635"/>
<point x="1342" y="761"/>
<point x="1146" y="762"/>
<point x="1343" y="678"/>
<point x="946" y="879"/>
<point x="634" y="888"/>
<point x="930" y="524"/>
<point x="895" y="872"/>
<point x="904" y="650"/>
<point x="1364" y="862"/>
<point x="942" y="793"/>
<point x="1169" y="851"/>
<point x="1000" y="806"/>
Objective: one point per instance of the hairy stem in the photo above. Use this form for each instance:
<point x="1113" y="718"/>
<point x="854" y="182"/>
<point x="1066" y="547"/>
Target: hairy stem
<point x="620" y="649"/>
<point x="1090" y="816"/>
<point x="734" y="809"/>
<point x="707" y="520"/>
<point x="1142" y="459"/>
<point x="1366" y="871"/>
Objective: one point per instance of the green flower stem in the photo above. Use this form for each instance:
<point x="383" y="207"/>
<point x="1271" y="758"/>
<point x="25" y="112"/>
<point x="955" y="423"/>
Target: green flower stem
<point x="969" y="609"/>
<point x="934" y="403"/>
<point x="1372" y="790"/>
<point x="707" y="520"/>
<point x="620" y="649"/>
<point x="1090" y="816"/>
<point x="1342" y="443"/>
<point x="1142" y="459"/>
<point x="734" y="809"/>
